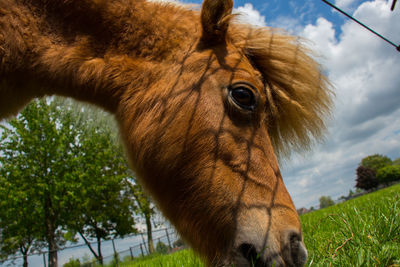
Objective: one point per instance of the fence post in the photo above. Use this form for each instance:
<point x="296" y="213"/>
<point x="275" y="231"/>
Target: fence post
<point x="169" y="241"/>
<point x="115" y="253"/>
<point x="141" y="249"/>
<point x="130" y="249"/>
<point x="44" y="259"/>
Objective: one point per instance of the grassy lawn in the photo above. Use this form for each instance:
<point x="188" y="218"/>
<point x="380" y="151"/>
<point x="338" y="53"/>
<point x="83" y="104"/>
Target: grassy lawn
<point x="361" y="232"/>
<point x="180" y="258"/>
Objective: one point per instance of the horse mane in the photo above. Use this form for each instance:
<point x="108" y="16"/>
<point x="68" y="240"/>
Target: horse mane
<point x="299" y="95"/>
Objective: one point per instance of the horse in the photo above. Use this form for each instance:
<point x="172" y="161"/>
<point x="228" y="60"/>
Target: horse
<point x="206" y="105"/>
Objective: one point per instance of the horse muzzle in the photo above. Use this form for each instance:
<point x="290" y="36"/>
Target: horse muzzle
<point x="292" y="252"/>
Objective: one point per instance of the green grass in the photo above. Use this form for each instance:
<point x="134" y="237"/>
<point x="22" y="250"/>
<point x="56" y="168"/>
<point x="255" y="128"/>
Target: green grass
<point x="180" y="258"/>
<point x="361" y="232"/>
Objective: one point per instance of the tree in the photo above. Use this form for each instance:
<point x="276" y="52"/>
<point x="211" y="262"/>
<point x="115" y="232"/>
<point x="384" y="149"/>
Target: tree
<point x="18" y="218"/>
<point x="366" y="178"/>
<point x="36" y="159"/>
<point x="375" y="162"/>
<point x="144" y="208"/>
<point x="396" y="161"/>
<point x="388" y="174"/>
<point x="66" y="174"/>
<point x="325" y="201"/>
<point x="104" y="207"/>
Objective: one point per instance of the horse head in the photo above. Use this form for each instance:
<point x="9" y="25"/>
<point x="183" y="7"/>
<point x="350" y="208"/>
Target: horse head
<point x="205" y="106"/>
<point x="205" y="144"/>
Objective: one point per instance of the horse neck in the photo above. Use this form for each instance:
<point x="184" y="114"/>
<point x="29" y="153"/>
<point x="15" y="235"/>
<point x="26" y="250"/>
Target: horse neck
<point x="91" y="50"/>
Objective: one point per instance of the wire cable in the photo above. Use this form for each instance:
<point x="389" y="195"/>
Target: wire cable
<point x="363" y="25"/>
<point x="393" y="5"/>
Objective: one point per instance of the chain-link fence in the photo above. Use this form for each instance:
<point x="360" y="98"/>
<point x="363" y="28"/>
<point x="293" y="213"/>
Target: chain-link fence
<point x="113" y="250"/>
<point x="163" y="240"/>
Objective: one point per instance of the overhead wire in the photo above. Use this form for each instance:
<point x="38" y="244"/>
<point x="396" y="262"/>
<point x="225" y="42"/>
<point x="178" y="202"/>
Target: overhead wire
<point x="393" y="5"/>
<point x="363" y="25"/>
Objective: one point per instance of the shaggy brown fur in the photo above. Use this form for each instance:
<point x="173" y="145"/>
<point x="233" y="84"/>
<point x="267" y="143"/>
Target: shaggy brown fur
<point x="165" y="72"/>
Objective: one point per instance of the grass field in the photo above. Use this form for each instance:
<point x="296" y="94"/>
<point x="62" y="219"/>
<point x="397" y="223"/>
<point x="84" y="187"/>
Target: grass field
<point x="180" y="258"/>
<point x="361" y="232"/>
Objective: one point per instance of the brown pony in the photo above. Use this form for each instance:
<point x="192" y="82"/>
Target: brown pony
<point x="203" y="104"/>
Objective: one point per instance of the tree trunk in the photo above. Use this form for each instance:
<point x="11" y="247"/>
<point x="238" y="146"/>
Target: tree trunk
<point x="25" y="264"/>
<point x="51" y="240"/>
<point x="50" y="232"/>
<point x="149" y="233"/>
<point x="24" y="252"/>
<point x="99" y="255"/>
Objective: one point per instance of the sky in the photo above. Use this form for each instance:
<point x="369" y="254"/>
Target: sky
<point x="365" y="73"/>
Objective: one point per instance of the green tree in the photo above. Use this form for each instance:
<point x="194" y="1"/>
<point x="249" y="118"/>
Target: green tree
<point x="325" y="201"/>
<point x="62" y="172"/>
<point x="37" y="155"/>
<point x="375" y="162"/>
<point x="396" y="162"/>
<point x="104" y="207"/>
<point x="144" y="207"/>
<point x="388" y="174"/>
<point x="18" y="219"/>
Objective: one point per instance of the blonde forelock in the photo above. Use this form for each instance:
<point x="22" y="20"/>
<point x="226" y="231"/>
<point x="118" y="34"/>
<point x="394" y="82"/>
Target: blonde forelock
<point x="299" y="95"/>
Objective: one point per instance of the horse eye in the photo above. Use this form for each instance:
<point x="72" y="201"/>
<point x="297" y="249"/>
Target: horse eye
<point x="243" y="97"/>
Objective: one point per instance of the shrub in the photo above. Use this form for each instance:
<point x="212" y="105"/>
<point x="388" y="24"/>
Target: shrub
<point x="161" y="248"/>
<point x="325" y="202"/>
<point x="178" y="243"/>
<point x="72" y="263"/>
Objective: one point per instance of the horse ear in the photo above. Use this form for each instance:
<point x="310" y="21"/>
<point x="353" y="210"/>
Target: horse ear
<point x="215" y="16"/>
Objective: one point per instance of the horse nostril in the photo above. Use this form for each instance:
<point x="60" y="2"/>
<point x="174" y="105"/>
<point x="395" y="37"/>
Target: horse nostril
<point x="294" y="238"/>
<point x="249" y="252"/>
<point x="298" y="252"/>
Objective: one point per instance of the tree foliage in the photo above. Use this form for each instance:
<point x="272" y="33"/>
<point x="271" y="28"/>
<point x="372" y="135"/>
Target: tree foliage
<point x="375" y="162"/>
<point x="60" y="171"/>
<point x="37" y="155"/>
<point x="366" y="178"/>
<point x="144" y="207"/>
<point x="388" y="174"/>
<point x="104" y="207"/>
<point x="325" y="201"/>
<point x="396" y="161"/>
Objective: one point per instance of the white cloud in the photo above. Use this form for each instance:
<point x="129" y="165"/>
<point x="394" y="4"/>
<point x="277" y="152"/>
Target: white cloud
<point x="290" y="24"/>
<point x="365" y="72"/>
<point x="247" y="14"/>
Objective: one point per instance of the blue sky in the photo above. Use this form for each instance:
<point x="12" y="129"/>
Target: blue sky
<point x="305" y="11"/>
